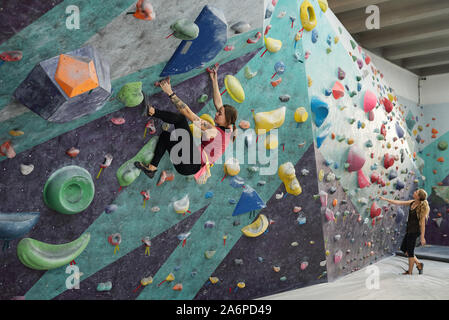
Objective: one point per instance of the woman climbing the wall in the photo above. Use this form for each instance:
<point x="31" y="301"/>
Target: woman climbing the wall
<point x="216" y="134"/>
<point x="416" y="224"/>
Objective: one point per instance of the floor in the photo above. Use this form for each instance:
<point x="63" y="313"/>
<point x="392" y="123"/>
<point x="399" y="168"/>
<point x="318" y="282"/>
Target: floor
<point x="432" y="285"/>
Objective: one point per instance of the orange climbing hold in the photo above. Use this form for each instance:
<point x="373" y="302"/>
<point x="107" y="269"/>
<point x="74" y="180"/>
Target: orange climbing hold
<point x="144" y="10"/>
<point x="434" y="172"/>
<point x="434" y="131"/>
<point x="177" y="287"/>
<point x="334" y="202"/>
<point x="434" y="136"/>
<point x="276" y="82"/>
<point x="440" y="159"/>
<point x="76" y="75"/>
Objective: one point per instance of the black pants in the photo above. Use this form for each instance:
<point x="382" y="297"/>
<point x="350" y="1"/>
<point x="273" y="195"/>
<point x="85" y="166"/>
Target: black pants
<point x="165" y="144"/>
<point x="409" y="243"/>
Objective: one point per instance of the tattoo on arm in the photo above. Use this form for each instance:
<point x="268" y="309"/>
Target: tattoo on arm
<point x="180" y="105"/>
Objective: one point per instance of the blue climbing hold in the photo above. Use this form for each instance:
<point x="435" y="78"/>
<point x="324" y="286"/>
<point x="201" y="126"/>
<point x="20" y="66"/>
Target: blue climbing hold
<point x="249" y="201"/>
<point x="400" y="185"/>
<point x="392" y="175"/>
<point x="209" y="194"/>
<point x="327" y="92"/>
<point x="359" y="87"/>
<point x="399" y="131"/>
<point x="314" y="35"/>
<point x="237" y="182"/>
<point x="399" y="215"/>
<point x="329" y="40"/>
<point x="320" y="109"/>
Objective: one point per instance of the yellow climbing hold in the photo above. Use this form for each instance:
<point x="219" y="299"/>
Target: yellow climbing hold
<point x="390" y="97"/>
<point x="301" y="114"/>
<point x="197" y="131"/>
<point x="327" y="253"/>
<point x="308" y="17"/>
<point x="213" y="280"/>
<point x="286" y="173"/>
<point x="415" y="132"/>
<point x="321" y="175"/>
<point x="146" y="281"/>
<point x="266" y="121"/>
<point x="323" y="5"/>
<point x="231" y="167"/>
<point x="350" y="141"/>
<point x="309" y="81"/>
<point x="241" y="285"/>
<point x="234" y="88"/>
<point x="336" y="39"/>
<point x="271" y="142"/>
<point x="16" y="133"/>
<point x="256" y="228"/>
<point x="170" y="277"/>
<point x="273" y="45"/>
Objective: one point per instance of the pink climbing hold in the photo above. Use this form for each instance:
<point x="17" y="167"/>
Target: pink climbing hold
<point x="229" y="48"/>
<point x="6" y="150"/>
<point x="388" y="105"/>
<point x="369" y="101"/>
<point x="323" y="199"/>
<point x="338" y="90"/>
<point x="383" y="130"/>
<point x="388" y="161"/>
<point x="356" y="160"/>
<point x="118" y="121"/>
<point x="371" y="115"/>
<point x="362" y="179"/>
<point x="375" y="177"/>
<point x="329" y="215"/>
<point x="338" y="256"/>
<point x="375" y="210"/>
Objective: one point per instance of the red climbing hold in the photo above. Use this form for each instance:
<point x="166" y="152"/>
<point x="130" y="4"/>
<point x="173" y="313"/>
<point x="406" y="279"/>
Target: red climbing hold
<point x="388" y="161"/>
<point x="11" y="55"/>
<point x="256" y="39"/>
<point x="7" y="150"/>
<point x="362" y="179"/>
<point x="375" y="210"/>
<point x="440" y="159"/>
<point x="388" y="105"/>
<point x="356" y="160"/>
<point x="338" y="90"/>
<point x="375" y="177"/>
<point x="383" y="131"/>
<point x="434" y="131"/>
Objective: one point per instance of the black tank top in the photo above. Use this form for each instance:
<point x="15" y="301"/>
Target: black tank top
<point x="413" y="222"/>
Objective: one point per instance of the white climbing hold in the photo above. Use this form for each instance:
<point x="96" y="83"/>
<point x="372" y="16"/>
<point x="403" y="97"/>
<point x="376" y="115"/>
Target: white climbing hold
<point x="26" y="169"/>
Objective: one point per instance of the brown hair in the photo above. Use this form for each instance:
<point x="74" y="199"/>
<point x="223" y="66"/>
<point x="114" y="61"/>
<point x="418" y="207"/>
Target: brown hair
<point x="423" y="208"/>
<point x="231" y="117"/>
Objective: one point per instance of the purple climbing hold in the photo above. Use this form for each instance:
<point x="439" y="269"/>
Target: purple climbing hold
<point x="341" y="74"/>
<point x="356" y="159"/>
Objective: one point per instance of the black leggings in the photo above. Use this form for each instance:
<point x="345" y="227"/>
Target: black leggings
<point x="165" y="144"/>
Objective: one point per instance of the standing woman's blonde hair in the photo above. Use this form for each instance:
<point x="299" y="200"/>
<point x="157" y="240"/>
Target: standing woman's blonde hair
<point x="423" y="209"/>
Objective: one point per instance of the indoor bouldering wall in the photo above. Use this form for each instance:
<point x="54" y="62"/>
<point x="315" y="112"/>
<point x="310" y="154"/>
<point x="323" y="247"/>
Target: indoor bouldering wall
<point x="247" y="234"/>
<point x="363" y="148"/>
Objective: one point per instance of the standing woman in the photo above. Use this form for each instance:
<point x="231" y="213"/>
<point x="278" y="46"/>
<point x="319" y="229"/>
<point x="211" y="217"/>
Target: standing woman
<point x="416" y="224"/>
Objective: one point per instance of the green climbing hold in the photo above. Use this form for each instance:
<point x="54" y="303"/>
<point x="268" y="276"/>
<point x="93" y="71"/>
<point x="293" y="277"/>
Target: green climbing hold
<point x="353" y="44"/>
<point x="442" y="145"/>
<point x="209" y="254"/>
<point x="203" y="98"/>
<point x="69" y="190"/>
<point x="352" y="94"/>
<point x="185" y="30"/>
<point x="128" y="173"/>
<point x="354" y="58"/>
<point x="104" y="286"/>
<point x="131" y="94"/>
<point x="328" y="50"/>
<point x="351" y="121"/>
<point x="340" y="138"/>
<point x="380" y="137"/>
<point x="43" y="256"/>
<point x="358" y="78"/>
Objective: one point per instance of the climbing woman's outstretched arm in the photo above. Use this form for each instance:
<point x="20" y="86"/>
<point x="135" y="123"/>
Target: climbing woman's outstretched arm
<point x="213" y="73"/>
<point x="397" y="202"/>
<point x="182" y="107"/>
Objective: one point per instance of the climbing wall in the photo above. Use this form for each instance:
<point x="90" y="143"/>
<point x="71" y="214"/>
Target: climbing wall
<point x="363" y="149"/>
<point x="431" y="132"/>
<point x="124" y="238"/>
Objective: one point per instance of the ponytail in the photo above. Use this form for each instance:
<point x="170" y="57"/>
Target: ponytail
<point x="423" y="208"/>
<point x="234" y="132"/>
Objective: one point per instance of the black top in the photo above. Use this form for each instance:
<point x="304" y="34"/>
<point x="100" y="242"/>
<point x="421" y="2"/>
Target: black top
<point x="413" y="222"/>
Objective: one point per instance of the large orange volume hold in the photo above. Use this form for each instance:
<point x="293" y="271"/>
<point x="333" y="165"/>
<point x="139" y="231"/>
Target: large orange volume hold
<point x="76" y="75"/>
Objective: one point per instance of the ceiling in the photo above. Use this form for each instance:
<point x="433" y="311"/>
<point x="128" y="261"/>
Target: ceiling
<point x="413" y="34"/>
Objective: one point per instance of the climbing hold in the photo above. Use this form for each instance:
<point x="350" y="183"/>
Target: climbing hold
<point x="375" y="211"/>
<point x="388" y="161"/>
<point x="209" y="194"/>
<point x="110" y="208"/>
<point x="7" y="150"/>
<point x="69" y="190"/>
<point x="275" y="83"/>
<point x="369" y="101"/>
<point x="43" y="256"/>
<point x="276" y="268"/>
<point x="231" y="167"/>
<point x="185" y="30"/>
<point x="320" y="109"/>
<point x="11" y="56"/>
<point x="26" y="169"/>
<point x="16" y="225"/>
<point x="338" y="90"/>
<point x="355" y="159"/>
<point x="362" y="179"/>
<point x="301" y="115"/>
<point x="182" y="206"/>
<point x="203" y="98"/>
<point x="309" y="81"/>
<point x="249" y="201"/>
<point x="177" y="287"/>
<point x="329" y="214"/>
<point x="399" y="131"/>
<point x="249" y="74"/>
<point x="314" y="36"/>
<point x="284" y="98"/>
<point x="440" y="159"/>
<point x="72" y="152"/>
<point x="286" y="173"/>
<point x="338" y="256"/>
<point x="131" y="94"/>
<point x="16" y="133"/>
<point x="104" y="286"/>
<point x="234" y="88"/>
<point x="400" y="185"/>
<point x="273" y="45"/>
<point x="241" y="27"/>
<point x="442" y="145"/>
<point x="279" y="68"/>
<point x="392" y="175"/>
<point x="209" y="254"/>
<point x="271" y="142"/>
<point x="255" y="39"/>
<point x="244" y="124"/>
<point x="308" y="17"/>
<point x="258" y="227"/>
<point x="265" y="121"/>
<point x="341" y="74"/>
<point x="388" y="105"/>
<point x="323" y="198"/>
